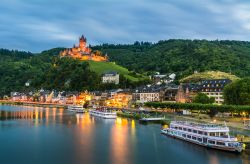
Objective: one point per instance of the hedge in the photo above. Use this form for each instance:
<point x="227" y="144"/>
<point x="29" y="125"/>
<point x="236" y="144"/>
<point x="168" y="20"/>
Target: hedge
<point x="196" y="106"/>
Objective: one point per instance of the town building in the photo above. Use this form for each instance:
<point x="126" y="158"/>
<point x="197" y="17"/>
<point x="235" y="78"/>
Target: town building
<point x="170" y="92"/>
<point x="147" y="94"/>
<point x="110" y="77"/>
<point x="120" y="100"/>
<point x="186" y="92"/>
<point x="83" y="52"/>
<point x="163" y="78"/>
<point x="214" y="88"/>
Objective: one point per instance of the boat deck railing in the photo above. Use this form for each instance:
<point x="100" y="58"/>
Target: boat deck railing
<point x="200" y="125"/>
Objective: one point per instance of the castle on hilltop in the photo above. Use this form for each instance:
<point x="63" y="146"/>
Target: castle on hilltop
<point x="83" y="52"/>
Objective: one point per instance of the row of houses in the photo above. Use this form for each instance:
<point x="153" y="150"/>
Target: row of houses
<point x="183" y="93"/>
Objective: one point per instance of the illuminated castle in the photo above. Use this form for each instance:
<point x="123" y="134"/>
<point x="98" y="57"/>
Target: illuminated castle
<point x="83" y="52"/>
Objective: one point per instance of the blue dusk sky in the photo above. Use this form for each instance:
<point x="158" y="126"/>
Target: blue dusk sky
<point x="36" y="25"/>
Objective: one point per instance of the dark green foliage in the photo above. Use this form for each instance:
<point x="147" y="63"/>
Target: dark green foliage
<point x="46" y="70"/>
<point x="203" y="99"/>
<point x="69" y="74"/>
<point x="204" y="107"/>
<point x="182" y="56"/>
<point x="238" y="92"/>
<point x="212" y="112"/>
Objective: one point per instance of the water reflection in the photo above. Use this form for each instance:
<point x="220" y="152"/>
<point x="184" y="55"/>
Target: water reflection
<point x="85" y="139"/>
<point x="35" y="114"/>
<point x="122" y="141"/>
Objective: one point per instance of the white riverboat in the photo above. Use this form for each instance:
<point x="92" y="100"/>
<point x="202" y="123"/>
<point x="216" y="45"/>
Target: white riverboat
<point x="208" y="135"/>
<point x="103" y="113"/>
<point x="76" y="108"/>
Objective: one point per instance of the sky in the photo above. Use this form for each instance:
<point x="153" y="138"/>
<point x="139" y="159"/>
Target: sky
<point x="37" y="25"/>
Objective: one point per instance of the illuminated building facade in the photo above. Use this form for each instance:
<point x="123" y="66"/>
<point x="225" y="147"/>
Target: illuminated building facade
<point x="83" y="52"/>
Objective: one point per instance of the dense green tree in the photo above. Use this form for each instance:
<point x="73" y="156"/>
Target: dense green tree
<point x="238" y="92"/>
<point x="202" y="98"/>
<point x="182" y="56"/>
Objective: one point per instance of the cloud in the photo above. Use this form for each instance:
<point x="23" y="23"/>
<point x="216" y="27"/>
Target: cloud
<point x="43" y="24"/>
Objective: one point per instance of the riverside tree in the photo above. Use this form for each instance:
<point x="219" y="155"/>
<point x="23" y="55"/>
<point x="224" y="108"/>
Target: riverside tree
<point x="238" y="92"/>
<point x="202" y="98"/>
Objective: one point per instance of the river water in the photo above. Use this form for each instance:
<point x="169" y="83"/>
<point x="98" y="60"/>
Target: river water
<point x="56" y="136"/>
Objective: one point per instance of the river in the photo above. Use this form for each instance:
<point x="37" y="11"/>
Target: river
<point x="56" y="136"/>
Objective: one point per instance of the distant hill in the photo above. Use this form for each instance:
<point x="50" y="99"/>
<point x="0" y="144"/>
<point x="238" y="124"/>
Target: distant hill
<point x="196" y="77"/>
<point x="102" y="67"/>
<point x="182" y="57"/>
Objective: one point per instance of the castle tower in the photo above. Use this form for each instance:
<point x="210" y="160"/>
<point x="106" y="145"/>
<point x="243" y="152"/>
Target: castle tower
<point x="82" y="42"/>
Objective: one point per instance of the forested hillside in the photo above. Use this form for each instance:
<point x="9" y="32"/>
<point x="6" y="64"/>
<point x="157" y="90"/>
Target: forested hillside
<point x="182" y="56"/>
<point x="46" y="70"/>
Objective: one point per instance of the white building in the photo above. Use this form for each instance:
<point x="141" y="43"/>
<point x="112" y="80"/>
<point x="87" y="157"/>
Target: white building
<point x="110" y="77"/>
<point x="146" y="94"/>
<point x="214" y="88"/>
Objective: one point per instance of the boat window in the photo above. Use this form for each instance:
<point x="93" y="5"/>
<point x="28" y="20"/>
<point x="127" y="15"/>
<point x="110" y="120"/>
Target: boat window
<point x="194" y="131"/>
<point x="188" y="136"/>
<point x="176" y="127"/>
<point x="212" y="134"/>
<point x="189" y="130"/>
<point x="223" y="135"/>
<point x="194" y="138"/>
<point x="180" y="128"/>
<point x="211" y="142"/>
<point x="185" y="129"/>
<point x="200" y="139"/>
<point x="205" y="133"/>
<point x="199" y="132"/>
<point x="184" y="135"/>
<point x="221" y="143"/>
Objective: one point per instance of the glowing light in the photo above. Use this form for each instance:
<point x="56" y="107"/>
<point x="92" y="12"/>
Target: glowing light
<point x="83" y="52"/>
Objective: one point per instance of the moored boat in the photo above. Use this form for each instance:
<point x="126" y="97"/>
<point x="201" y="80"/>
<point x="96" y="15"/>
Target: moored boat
<point x="76" y="108"/>
<point x="103" y="113"/>
<point x="208" y="135"/>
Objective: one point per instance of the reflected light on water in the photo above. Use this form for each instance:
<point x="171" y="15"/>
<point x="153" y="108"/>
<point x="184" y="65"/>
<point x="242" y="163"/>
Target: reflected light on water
<point x="84" y="137"/>
<point x="133" y="129"/>
<point x="213" y="159"/>
<point x="119" y="141"/>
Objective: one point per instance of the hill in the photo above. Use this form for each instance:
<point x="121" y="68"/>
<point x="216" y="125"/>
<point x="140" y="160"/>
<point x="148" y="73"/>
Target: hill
<point x="182" y="57"/>
<point x="102" y="67"/>
<point x="46" y="70"/>
<point x="196" y="77"/>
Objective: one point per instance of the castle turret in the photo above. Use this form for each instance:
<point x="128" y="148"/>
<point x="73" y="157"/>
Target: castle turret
<point x="82" y="42"/>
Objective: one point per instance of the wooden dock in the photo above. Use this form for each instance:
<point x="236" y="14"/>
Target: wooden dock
<point x="153" y="119"/>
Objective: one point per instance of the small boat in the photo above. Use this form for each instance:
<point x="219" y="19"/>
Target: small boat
<point x="103" y="113"/>
<point x="207" y="135"/>
<point x="76" y="108"/>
